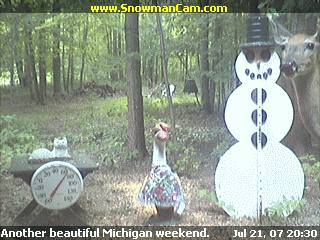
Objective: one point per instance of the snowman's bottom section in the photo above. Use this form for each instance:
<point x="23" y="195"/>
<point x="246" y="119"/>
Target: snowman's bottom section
<point x="162" y="187"/>
<point x="247" y="180"/>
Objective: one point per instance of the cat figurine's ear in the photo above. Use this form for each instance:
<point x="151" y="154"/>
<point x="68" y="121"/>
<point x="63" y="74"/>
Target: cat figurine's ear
<point x="60" y="141"/>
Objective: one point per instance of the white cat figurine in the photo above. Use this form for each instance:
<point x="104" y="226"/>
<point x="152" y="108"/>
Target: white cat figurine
<point x="41" y="153"/>
<point x="60" y="147"/>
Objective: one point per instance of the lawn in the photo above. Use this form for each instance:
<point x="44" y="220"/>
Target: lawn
<point x="98" y="127"/>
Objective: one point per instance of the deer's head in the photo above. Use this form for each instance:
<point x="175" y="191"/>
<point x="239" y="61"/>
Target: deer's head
<point x="299" y="52"/>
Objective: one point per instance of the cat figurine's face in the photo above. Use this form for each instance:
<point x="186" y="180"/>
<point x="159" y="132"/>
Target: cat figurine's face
<point x="60" y="147"/>
<point x="60" y="143"/>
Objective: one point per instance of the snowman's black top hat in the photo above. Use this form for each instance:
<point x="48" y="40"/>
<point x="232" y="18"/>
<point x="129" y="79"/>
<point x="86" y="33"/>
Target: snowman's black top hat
<point x="257" y="32"/>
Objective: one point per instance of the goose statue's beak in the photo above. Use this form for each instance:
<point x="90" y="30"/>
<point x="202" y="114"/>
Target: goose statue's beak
<point x="162" y="132"/>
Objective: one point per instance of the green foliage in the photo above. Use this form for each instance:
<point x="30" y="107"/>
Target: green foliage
<point x="266" y="6"/>
<point x="311" y="166"/>
<point x="209" y="196"/>
<point x="192" y="141"/>
<point x="212" y="198"/>
<point x="101" y="131"/>
<point x="187" y="162"/>
<point x="222" y="146"/>
<point x="196" y="135"/>
<point x="281" y="209"/>
<point x="15" y="140"/>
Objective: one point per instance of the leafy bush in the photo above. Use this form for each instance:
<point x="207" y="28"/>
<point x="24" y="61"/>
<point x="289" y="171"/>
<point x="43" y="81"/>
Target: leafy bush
<point x="15" y="140"/>
<point x="209" y="196"/>
<point x="280" y="210"/>
<point x="101" y="131"/>
<point x="188" y="163"/>
<point x="311" y="166"/>
<point x="212" y="198"/>
<point x="221" y="148"/>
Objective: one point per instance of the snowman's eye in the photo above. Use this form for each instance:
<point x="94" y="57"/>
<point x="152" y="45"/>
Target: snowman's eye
<point x="249" y="55"/>
<point x="265" y="55"/>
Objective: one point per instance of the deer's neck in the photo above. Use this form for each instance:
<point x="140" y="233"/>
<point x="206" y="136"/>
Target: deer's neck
<point x="159" y="154"/>
<point x="306" y="90"/>
<point x="303" y="84"/>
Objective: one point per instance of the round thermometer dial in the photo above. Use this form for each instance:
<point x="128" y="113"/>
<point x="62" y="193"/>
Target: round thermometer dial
<point x="56" y="185"/>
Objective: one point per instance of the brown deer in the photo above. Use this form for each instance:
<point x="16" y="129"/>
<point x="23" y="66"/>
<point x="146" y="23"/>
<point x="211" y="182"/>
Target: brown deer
<point x="301" y="67"/>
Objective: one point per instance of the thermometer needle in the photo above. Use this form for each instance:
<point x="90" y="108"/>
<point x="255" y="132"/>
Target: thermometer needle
<point x="56" y="188"/>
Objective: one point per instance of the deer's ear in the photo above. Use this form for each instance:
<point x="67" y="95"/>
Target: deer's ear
<point x="315" y="35"/>
<point x="279" y="32"/>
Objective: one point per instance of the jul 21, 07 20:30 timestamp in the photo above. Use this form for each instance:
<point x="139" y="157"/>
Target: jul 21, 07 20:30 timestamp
<point x="266" y="232"/>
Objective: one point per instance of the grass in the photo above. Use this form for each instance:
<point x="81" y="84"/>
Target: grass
<point x="99" y="126"/>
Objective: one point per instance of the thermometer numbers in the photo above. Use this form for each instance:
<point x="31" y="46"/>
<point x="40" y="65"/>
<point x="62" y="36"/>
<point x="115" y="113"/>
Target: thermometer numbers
<point x="56" y="185"/>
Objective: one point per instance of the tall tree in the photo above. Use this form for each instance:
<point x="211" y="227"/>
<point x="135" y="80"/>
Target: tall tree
<point x="17" y="48"/>
<point x="27" y="62"/>
<point x="135" y="101"/>
<point x="204" y="64"/>
<point x="32" y="66"/>
<point x="56" y="62"/>
<point x="11" y="68"/>
<point x="70" y="72"/>
<point x="84" y="47"/>
<point x="42" y="64"/>
<point x="64" y="80"/>
<point x="114" y="72"/>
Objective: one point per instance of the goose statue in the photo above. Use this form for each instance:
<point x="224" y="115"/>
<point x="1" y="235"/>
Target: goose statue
<point x="162" y="187"/>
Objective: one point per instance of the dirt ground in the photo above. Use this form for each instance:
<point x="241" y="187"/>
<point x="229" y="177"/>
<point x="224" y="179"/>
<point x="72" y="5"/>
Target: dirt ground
<point x="110" y="199"/>
<point x="110" y="194"/>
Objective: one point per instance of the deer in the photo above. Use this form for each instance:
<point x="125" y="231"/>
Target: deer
<point x="301" y="67"/>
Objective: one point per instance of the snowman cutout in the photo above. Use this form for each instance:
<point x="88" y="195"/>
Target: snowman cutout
<point x="258" y="171"/>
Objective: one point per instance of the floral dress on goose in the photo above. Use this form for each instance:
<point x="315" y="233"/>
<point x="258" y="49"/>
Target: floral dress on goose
<point x="162" y="187"/>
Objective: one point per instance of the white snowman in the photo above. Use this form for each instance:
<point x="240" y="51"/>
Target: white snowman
<point x="258" y="171"/>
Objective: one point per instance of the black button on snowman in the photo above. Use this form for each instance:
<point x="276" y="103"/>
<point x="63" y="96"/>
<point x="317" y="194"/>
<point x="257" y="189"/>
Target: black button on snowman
<point x="258" y="171"/>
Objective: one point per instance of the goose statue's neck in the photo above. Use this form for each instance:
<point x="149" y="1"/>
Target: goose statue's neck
<point x="159" y="154"/>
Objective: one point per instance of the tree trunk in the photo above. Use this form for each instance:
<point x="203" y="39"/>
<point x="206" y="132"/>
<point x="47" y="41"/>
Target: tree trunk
<point x="156" y="75"/>
<point x="218" y="31"/>
<point x="136" y="134"/>
<point x="64" y="80"/>
<point x="56" y="62"/>
<point x="42" y="66"/>
<point x="212" y="93"/>
<point x="204" y="65"/>
<point x="11" y="69"/>
<point x="72" y="72"/>
<point x="70" y="77"/>
<point x="17" y="55"/>
<point x="186" y="74"/>
<point x="114" y="73"/>
<point x="120" y="70"/>
<point x="32" y="67"/>
<point x="84" y="47"/>
<point x="68" y="72"/>
<point x="19" y="67"/>
<point x="150" y="71"/>
<point x="27" y="76"/>
<point x="221" y="85"/>
<point x="223" y="94"/>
